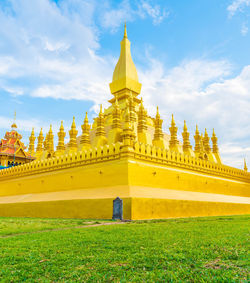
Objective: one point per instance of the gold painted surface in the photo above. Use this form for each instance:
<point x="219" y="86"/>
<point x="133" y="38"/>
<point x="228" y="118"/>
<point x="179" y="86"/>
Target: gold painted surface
<point x="125" y="73"/>
<point x="124" y="192"/>
<point x="84" y="208"/>
<point x="146" y="208"/>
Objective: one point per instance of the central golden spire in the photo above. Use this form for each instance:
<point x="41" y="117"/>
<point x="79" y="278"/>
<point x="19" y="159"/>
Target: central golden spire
<point x="125" y="73"/>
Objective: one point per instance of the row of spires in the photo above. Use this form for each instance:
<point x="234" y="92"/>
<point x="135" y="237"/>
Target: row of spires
<point x="45" y="147"/>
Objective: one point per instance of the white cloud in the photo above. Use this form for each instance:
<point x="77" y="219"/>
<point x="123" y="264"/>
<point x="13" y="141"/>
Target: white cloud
<point x="202" y="92"/>
<point x="244" y="29"/>
<point x="52" y="50"/>
<point x="113" y="18"/>
<point x="130" y="10"/>
<point x="233" y="154"/>
<point x="23" y="124"/>
<point x="155" y="12"/>
<point x="7" y="64"/>
<point x="237" y="5"/>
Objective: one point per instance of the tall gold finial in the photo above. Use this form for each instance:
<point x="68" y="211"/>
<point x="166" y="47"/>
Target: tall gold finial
<point x="114" y="134"/>
<point x="61" y="127"/>
<point x="100" y="135"/>
<point x="128" y="135"/>
<point x="158" y="134"/>
<point x="216" y="153"/>
<point x="32" y="139"/>
<point x="14" y="126"/>
<point x="213" y="133"/>
<point x="186" y="146"/>
<point x="61" y="135"/>
<point x="142" y="127"/>
<point x="173" y="121"/>
<point x="173" y="143"/>
<point x="74" y="122"/>
<point x="39" y="148"/>
<point x="206" y="142"/>
<point x="72" y="146"/>
<point x="125" y="74"/>
<point x="125" y="30"/>
<point x="197" y="138"/>
<point x="50" y="141"/>
<point x="215" y="144"/>
<point x="245" y="165"/>
<point x="197" y="130"/>
<point x="157" y="113"/>
<point x="85" y="139"/>
<point x="185" y="126"/>
<point x="86" y="120"/>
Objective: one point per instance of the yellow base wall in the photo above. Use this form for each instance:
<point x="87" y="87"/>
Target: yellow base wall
<point x="149" y="191"/>
<point x="160" y="176"/>
<point x="83" y="208"/>
<point x="103" y="174"/>
<point x="163" y="208"/>
<point x="134" y="209"/>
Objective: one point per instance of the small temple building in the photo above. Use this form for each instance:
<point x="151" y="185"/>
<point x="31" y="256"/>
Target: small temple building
<point x="13" y="151"/>
<point x="124" y="155"/>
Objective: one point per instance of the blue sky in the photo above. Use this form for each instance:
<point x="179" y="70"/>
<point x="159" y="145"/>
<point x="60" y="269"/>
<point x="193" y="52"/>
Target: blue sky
<point x="192" y="57"/>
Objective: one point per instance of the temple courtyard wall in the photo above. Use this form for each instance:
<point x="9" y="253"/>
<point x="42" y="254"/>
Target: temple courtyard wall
<point x="152" y="185"/>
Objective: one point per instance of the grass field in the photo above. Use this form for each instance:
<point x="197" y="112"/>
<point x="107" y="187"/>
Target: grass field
<point x="211" y="249"/>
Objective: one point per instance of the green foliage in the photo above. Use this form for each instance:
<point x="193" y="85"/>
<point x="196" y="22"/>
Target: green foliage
<point x="211" y="249"/>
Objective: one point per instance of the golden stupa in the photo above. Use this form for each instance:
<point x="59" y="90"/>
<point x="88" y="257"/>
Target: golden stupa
<point x="125" y="154"/>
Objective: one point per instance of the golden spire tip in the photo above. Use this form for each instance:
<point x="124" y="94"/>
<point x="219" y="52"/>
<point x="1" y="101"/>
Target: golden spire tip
<point x="157" y="110"/>
<point x="185" y="126"/>
<point x="125" y="30"/>
<point x="86" y="117"/>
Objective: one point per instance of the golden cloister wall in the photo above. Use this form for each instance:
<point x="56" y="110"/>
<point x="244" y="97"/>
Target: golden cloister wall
<point x="153" y="184"/>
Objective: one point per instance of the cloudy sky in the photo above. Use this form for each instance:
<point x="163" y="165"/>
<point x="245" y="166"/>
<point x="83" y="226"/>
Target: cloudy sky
<point x="192" y="57"/>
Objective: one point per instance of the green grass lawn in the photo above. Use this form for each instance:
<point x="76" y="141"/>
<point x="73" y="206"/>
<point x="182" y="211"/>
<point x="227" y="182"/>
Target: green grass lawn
<point x="11" y="225"/>
<point x="211" y="249"/>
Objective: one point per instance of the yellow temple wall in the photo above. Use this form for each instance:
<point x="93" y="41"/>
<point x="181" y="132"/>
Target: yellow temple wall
<point x="76" y="208"/>
<point x="149" y="174"/>
<point x="153" y="208"/>
<point x="153" y="184"/>
<point x="160" y="191"/>
<point x="90" y="176"/>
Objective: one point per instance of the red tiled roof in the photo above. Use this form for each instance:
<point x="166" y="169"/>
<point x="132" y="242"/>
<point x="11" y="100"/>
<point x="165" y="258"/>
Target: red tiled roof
<point x="9" y="151"/>
<point x="12" y="145"/>
<point x="3" y="142"/>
